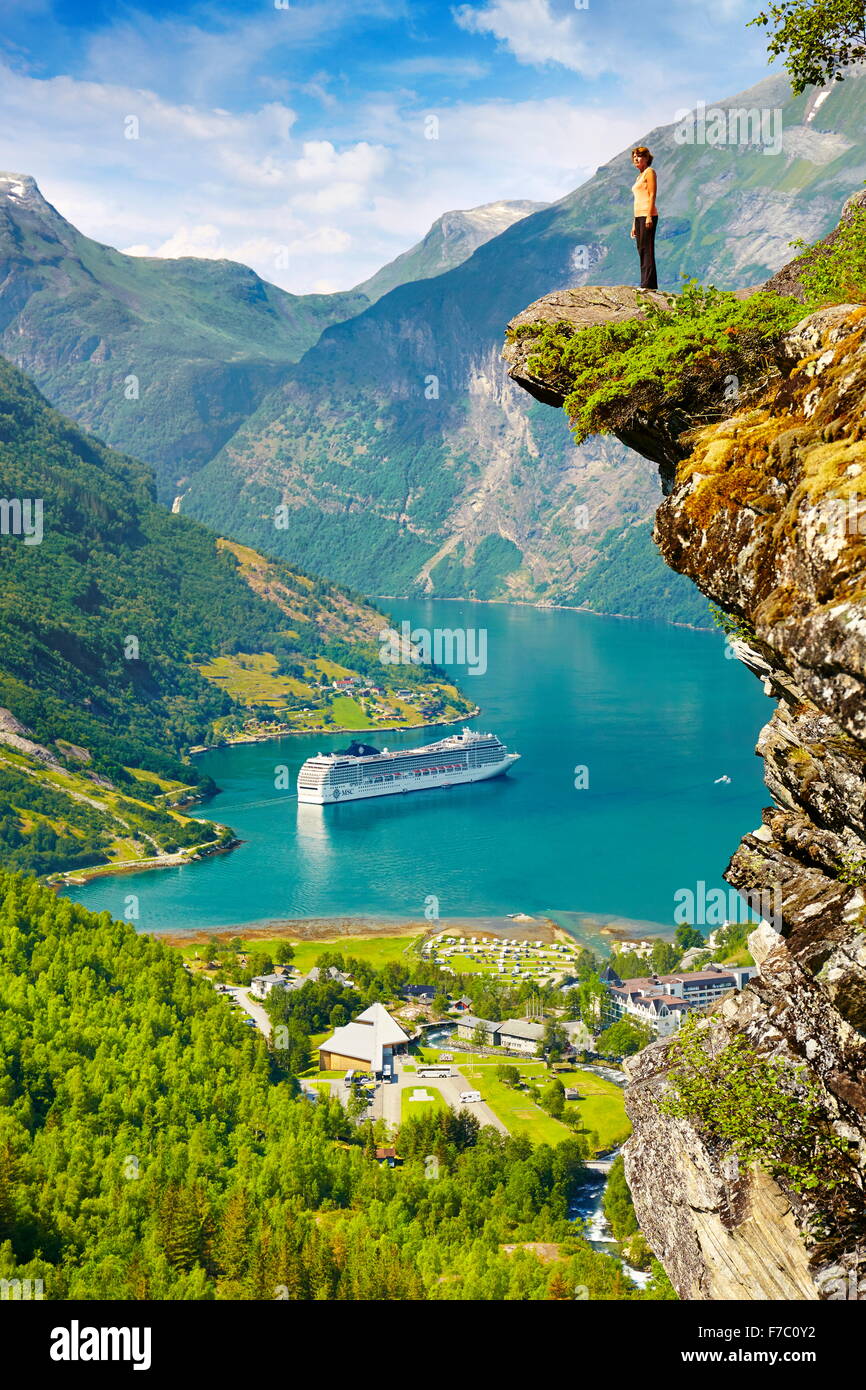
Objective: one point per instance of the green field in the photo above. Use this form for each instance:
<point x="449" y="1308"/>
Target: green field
<point x="410" y="1107"/>
<point x="516" y="1109"/>
<point x="348" y="714"/>
<point x="378" y="950"/>
<point x="601" y="1107"/>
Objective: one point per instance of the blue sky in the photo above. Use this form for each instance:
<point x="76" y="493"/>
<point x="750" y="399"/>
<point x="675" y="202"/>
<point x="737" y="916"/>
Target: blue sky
<point x="294" y="136"/>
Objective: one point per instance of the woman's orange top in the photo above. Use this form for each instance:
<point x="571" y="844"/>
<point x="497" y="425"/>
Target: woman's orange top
<point x="644" y="190"/>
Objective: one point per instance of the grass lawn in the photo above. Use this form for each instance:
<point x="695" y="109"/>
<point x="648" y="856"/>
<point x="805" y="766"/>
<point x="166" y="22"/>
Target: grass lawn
<point x="378" y="950"/>
<point x="427" y="1054"/>
<point x="348" y="714"/>
<point x="517" y="1110"/>
<point x="420" y="1107"/>
<point x="601" y="1107"/>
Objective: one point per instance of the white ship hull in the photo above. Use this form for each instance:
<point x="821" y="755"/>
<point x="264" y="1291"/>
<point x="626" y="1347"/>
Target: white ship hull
<point x="402" y="783"/>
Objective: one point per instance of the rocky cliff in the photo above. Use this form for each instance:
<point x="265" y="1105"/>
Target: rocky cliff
<point x="766" y="512"/>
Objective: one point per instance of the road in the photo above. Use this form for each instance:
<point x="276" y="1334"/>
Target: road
<point x="252" y="1007"/>
<point x="388" y="1102"/>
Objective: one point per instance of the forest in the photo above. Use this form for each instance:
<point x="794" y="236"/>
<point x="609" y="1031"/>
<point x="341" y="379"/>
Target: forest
<point x="152" y="1149"/>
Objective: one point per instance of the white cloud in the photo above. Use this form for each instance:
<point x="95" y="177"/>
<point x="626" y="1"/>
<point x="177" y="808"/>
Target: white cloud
<point x="226" y="166"/>
<point x="533" y="34"/>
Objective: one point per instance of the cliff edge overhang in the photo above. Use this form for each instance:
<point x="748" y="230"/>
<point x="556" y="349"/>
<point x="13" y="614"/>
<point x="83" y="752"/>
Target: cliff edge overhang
<point x="766" y="512"/>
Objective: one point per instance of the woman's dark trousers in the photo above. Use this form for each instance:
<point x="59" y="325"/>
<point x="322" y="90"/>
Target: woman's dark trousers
<point x="645" y="236"/>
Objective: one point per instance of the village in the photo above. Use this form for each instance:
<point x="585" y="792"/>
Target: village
<point x="543" y="1071"/>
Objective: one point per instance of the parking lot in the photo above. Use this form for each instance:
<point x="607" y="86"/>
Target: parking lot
<point x="387" y="1096"/>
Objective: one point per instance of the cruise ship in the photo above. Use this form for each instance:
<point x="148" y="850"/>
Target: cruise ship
<point x="361" y="770"/>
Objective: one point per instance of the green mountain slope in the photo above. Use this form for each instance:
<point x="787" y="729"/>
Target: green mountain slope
<point x="162" y="358"/>
<point x="400" y="447"/>
<point x="450" y="241"/>
<point x="128" y="633"/>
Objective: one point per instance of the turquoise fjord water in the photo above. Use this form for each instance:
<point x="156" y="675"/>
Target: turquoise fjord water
<point x="655" y="714"/>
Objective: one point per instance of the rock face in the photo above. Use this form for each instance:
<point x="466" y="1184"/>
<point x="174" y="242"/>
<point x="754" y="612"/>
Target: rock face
<point x="767" y="514"/>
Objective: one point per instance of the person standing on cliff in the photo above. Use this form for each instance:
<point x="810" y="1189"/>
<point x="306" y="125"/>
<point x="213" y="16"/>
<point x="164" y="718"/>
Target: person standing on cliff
<point x="646" y="216"/>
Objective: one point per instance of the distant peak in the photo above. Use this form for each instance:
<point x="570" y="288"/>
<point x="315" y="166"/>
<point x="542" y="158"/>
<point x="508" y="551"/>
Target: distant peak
<point x="21" y="188"/>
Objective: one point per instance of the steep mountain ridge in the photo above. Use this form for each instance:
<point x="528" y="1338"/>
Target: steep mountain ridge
<point x="398" y="439"/>
<point x="166" y="358"/>
<point x="162" y="358"/>
<point x="450" y="241"/>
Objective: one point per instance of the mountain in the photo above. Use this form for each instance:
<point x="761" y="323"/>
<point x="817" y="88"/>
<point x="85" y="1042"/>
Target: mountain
<point x="128" y="633"/>
<point x="450" y="241"/>
<point x="162" y="358"/>
<point x="166" y="358"/>
<point x="409" y="462"/>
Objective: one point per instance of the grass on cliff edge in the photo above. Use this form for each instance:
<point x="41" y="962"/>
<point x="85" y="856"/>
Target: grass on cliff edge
<point x="698" y="351"/>
<point x="701" y="351"/>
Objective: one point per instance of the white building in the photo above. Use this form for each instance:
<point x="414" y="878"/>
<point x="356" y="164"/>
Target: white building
<point x="662" y="1001"/>
<point x="262" y="985"/>
<point x="367" y="1044"/>
<point x="520" y="1035"/>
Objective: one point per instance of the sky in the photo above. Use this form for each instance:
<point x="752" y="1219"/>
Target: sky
<point x="314" y="140"/>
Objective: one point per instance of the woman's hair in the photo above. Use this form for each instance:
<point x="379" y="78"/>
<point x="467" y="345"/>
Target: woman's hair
<point x="642" y="150"/>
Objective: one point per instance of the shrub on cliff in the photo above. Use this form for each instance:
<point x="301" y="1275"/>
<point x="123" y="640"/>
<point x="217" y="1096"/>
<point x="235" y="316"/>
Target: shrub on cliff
<point x="834" y="271"/>
<point x="699" y="351"/>
<point x="764" y="1110"/>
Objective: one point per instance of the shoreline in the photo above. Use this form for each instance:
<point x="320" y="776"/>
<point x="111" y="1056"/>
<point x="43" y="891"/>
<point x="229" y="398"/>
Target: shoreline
<point x="539" y="607"/>
<point x="65" y="878"/>
<point x="336" y="729"/>
<point x="599" y="933"/>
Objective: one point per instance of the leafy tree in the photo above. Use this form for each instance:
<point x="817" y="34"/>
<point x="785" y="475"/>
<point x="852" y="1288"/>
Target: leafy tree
<point x="623" y="1038"/>
<point x="508" y="1075"/>
<point x="687" y="936"/>
<point x="617" y="1203"/>
<point x="818" y="39"/>
<point x="629" y="965"/>
<point x="592" y="995"/>
<point x="664" y="957"/>
<point x="555" y="1039"/>
<point x="553" y="1098"/>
